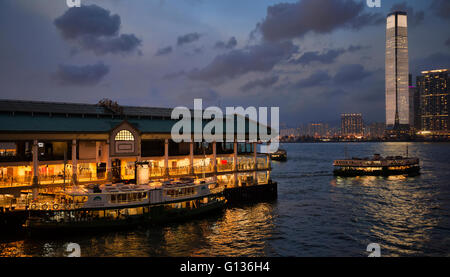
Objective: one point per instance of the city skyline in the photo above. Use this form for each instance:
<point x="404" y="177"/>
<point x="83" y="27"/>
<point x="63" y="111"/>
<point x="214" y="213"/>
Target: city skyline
<point x="157" y="53"/>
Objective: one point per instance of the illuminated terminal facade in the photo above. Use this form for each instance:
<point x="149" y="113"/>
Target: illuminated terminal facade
<point x="46" y="146"/>
<point x="397" y="71"/>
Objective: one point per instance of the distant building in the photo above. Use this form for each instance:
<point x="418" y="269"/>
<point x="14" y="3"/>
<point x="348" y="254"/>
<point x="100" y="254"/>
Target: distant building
<point x="433" y="88"/>
<point x="352" y="125"/>
<point x="414" y="108"/>
<point x="397" y="71"/>
<point x="374" y="130"/>
<point x="318" y="130"/>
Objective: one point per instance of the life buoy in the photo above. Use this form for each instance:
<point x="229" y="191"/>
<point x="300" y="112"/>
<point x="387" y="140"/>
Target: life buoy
<point x="45" y="206"/>
<point x="55" y="206"/>
<point x="33" y="206"/>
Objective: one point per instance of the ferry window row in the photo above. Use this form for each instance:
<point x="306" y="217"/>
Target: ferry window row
<point x="128" y="197"/>
<point x="181" y="192"/>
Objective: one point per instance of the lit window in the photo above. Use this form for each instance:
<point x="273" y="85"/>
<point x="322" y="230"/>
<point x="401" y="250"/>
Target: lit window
<point x="124" y="135"/>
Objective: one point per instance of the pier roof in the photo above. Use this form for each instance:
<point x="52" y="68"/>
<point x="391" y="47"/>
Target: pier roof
<point x="18" y="116"/>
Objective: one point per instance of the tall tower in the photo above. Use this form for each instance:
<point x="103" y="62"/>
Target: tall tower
<point x="397" y="70"/>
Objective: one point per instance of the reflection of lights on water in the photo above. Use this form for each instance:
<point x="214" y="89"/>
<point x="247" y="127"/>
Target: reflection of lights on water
<point x="397" y="177"/>
<point x="333" y="182"/>
<point x="397" y="209"/>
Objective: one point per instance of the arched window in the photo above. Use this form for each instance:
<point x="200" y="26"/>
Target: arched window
<point x="124" y="135"/>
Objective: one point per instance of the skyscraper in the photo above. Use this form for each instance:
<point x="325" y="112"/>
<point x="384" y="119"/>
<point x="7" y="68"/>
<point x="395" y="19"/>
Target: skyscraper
<point x="352" y="125"/>
<point x="397" y="71"/>
<point x="433" y="87"/>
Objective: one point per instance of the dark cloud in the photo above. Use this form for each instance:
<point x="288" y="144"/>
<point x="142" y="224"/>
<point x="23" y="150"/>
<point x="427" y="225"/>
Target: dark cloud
<point x="230" y="44"/>
<point x="350" y="73"/>
<point x="164" y="51"/>
<point x="95" y="29"/>
<point x="319" y="77"/>
<point x="290" y="20"/>
<point x="327" y="57"/>
<point x="258" y="58"/>
<point x="88" y="20"/>
<point x="122" y="44"/>
<point x="441" y="8"/>
<point x="262" y="83"/>
<point x="448" y="42"/>
<point x="86" y="75"/>
<point x="314" y="56"/>
<point x="354" y="48"/>
<point x="188" y="38"/>
<point x="414" y="18"/>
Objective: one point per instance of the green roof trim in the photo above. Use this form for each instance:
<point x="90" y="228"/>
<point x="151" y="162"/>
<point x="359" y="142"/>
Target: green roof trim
<point x="60" y="124"/>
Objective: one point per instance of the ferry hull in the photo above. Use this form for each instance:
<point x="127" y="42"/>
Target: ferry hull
<point x="279" y="158"/>
<point x="412" y="171"/>
<point x="157" y="215"/>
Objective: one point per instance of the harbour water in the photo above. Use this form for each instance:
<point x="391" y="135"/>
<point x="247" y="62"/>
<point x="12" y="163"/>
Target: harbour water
<point x="316" y="214"/>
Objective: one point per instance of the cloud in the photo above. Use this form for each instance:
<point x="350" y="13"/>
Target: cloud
<point x="327" y="57"/>
<point x="314" y="56"/>
<point x="291" y="20"/>
<point x="125" y="43"/>
<point x="317" y="78"/>
<point x="354" y="48"/>
<point x="164" y="51"/>
<point x="350" y="73"/>
<point x="88" y="20"/>
<point x="174" y="75"/>
<point x="441" y="8"/>
<point x="188" y="38"/>
<point x="230" y="44"/>
<point x="94" y="28"/>
<point x="447" y="42"/>
<point x="209" y="96"/>
<point x="414" y="18"/>
<point x="86" y="75"/>
<point x="263" y="83"/>
<point x="257" y="58"/>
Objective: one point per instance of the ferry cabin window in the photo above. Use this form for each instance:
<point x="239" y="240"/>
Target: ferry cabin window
<point x="131" y="197"/>
<point x="180" y="192"/>
<point x="124" y="135"/>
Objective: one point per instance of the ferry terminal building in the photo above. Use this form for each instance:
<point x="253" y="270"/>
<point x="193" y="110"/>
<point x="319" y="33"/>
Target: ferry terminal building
<point x="45" y="146"/>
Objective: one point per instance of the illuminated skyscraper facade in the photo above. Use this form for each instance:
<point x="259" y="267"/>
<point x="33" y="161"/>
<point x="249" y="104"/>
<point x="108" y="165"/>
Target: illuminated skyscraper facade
<point x="433" y="87"/>
<point x="352" y="125"/>
<point x="397" y="70"/>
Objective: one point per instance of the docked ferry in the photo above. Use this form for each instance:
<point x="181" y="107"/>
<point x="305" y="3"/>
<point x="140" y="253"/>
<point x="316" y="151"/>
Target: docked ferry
<point x="377" y="166"/>
<point x="120" y="205"/>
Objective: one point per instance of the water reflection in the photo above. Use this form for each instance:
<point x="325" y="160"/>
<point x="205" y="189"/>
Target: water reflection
<point x="397" y="211"/>
<point x="239" y="231"/>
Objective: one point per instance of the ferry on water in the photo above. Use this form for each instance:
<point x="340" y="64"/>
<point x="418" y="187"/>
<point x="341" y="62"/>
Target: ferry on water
<point x="280" y="155"/>
<point x="377" y="166"/>
<point x="120" y="205"/>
